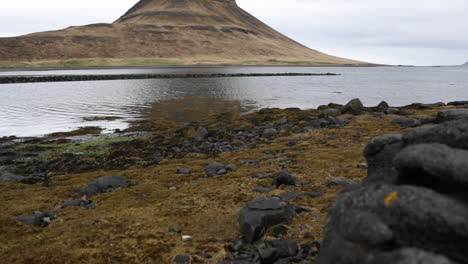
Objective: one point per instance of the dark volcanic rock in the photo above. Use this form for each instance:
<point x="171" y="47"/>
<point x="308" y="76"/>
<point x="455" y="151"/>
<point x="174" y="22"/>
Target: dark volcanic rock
<point x="284" y="178"/>
<point x="451" y="114"/>
<point x="262" y="213"/>
<point x="406" y="122"/>
<point x="215" y="168"/>
<point x="183" y="259"/>
<point x="354" y="107"/>
<point x="183" y="171"/>
<point x="104" y="185"/>
<point x="411" y="208"/>
<point x="38" y="219"/>
<point x="383" y="105"/>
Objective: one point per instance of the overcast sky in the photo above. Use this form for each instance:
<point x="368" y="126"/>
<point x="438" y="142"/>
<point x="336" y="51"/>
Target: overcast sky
<point x="417" y="32"/>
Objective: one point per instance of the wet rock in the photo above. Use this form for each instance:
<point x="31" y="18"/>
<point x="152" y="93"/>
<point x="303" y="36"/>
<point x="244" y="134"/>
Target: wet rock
<point x="104" y="185"/>
<point x="201" y="134"/>
<point x="183" y="259"/>
<point x="270" y="133"/>
<point x="262" y="213"/>
<point x="341" y="181"/>
<point x="38" y="219"/>
<point x="451" y="114"/>
<point x="354" y="107"/>
<point x="184" y="171"/>
<point x="284" y="178"/>
<point x="406" y="122"/>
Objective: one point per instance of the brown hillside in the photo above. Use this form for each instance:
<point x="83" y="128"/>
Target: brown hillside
<point x="178" y="31"/>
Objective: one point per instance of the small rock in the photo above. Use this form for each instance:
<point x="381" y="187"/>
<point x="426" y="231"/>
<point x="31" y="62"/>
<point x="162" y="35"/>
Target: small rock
<point x="262" y="213"/>
<point x="231" y="167"/>
<point x="264" y="189"/>
<point x="183" y="259"/>
<point x="383" y="105"/>
<point x="301" y="209"/>
<point x="284" y="178"/>
<point x="406" y="122"/>
<point x="331" y="112"/>
<point x="269" y="133"/>
<point x="263" y="176"/>
<point x="354" y="107"/>
<point x="201" y="134"/>
<point x="175" y="230"/>
<point x="361" y="166"/>
<point x="341" y="181"/>
<point x="187" y="238"/>
<point x="214" y="168"/>
<point x="183" y="171"/>
<point x="38" y="219"/>
<point x="173" y="188"/>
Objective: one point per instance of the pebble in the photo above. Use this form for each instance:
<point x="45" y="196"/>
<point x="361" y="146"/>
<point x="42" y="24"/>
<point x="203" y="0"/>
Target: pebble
<point x="187" y="238"/>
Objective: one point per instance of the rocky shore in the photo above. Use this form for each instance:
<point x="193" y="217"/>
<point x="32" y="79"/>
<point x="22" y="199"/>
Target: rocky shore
<point x="277" y="186"/>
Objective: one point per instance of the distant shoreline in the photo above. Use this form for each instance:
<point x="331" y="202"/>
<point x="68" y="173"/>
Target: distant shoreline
<point x="11" y="69"/>
<point x="103" y="77"/>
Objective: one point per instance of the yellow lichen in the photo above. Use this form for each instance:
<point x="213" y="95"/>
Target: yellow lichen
<point x="391" y="198"/>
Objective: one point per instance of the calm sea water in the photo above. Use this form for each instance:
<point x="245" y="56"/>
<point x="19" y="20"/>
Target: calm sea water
<point x="41" y="108"/>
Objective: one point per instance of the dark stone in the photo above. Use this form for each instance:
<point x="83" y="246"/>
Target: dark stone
<point x="452" y="133"/>
<point x="263" y="176"/>
<point x="406" y="122"/>
<point x="183" y="259"/>
<point x="201" y="133"/>
<point x="434" y="165"/>
<point x="104" y="185"/>
<point x="269" y="133"/>
<point x="331" y="112"/>
<point x="183" y="171"/>
<point x="354" y="107"/>
<point x="262" y="213"/>
<point x="413" y="205"/>
<point x="215" y="168"/>
<point x="451" y="114"/>
<point x="38" y="219"/>
<point x="9" y="177"/>
<point x="341" y="181"/>
<point x="284" y="178"/>
<point x="383" y="105"/>
<point x="458" y="103"/>
<point x="87" y="203"/>
<point x="264" y="189"/>
<point x="407" y="256"/>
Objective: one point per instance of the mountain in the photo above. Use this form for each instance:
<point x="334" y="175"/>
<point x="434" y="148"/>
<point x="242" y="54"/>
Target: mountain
<point x="466" y="64"/>
<point x="166" y="31"/>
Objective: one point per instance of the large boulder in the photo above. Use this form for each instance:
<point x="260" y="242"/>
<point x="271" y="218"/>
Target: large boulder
<point x="452" y="114"/>
<point x="411" y="208"/>
<point x="38" y="219"/>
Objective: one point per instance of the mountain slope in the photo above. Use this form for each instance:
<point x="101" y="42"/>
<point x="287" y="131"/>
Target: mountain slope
<point x="175" y="31"/>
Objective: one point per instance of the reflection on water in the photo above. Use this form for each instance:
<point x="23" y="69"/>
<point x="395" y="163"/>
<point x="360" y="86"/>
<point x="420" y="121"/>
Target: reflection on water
<point x="41" y="108"/>
<point x="191" y="108"/>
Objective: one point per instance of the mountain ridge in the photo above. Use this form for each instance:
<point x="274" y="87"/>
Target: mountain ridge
<point x="169" y="32"/>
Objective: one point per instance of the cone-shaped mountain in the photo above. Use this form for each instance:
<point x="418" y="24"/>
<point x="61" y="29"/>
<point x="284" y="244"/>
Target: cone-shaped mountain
<point x="183" y="31"/>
